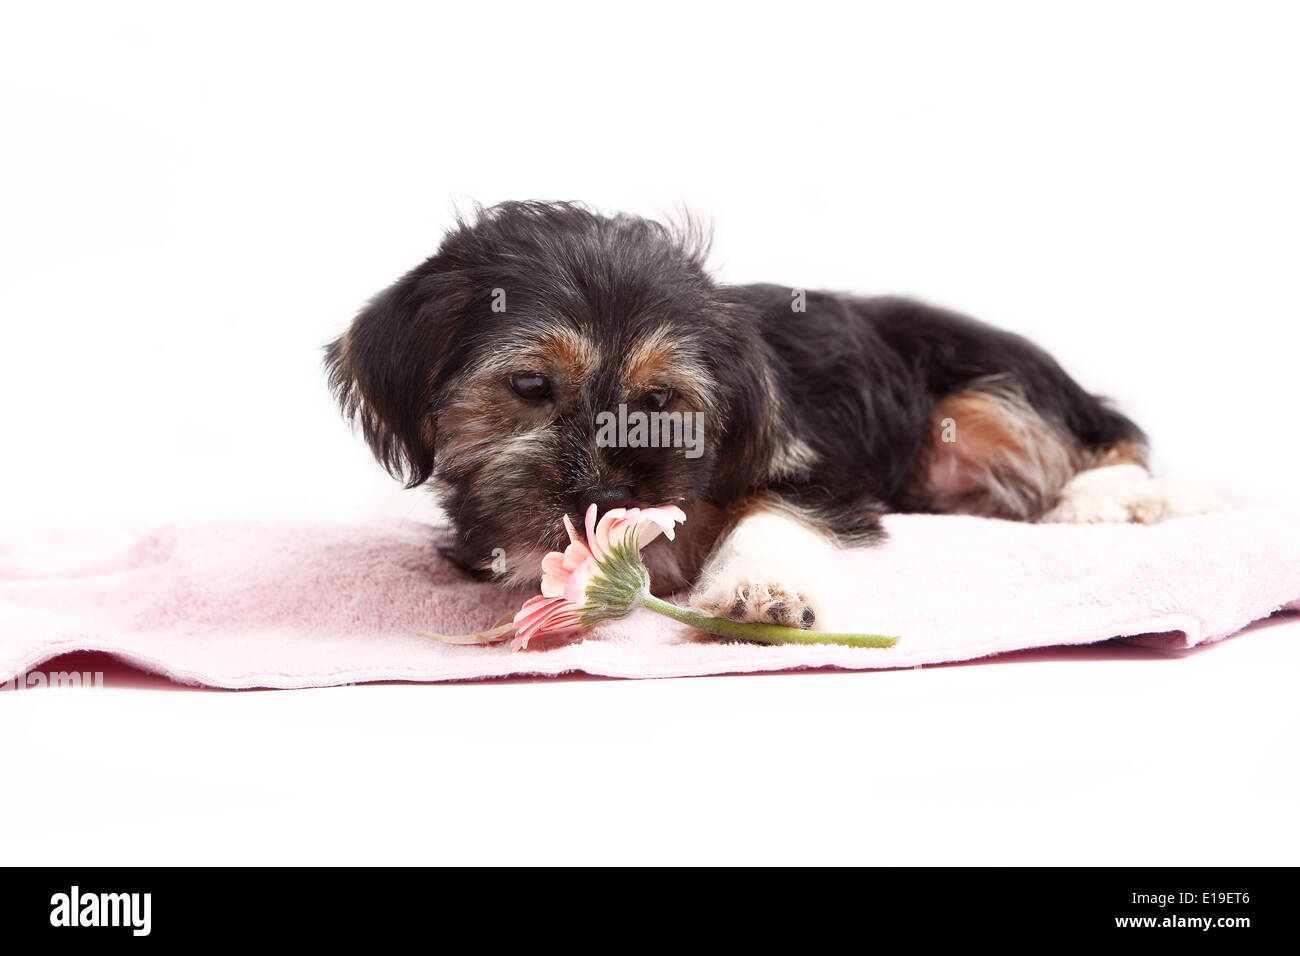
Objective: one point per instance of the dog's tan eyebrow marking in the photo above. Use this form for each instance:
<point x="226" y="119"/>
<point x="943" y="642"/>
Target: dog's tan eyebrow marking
<point x="557" y="348"/>
<point x="648" y="357"/>
<point x="659" y="359"/>
<point x="571" y="351"/>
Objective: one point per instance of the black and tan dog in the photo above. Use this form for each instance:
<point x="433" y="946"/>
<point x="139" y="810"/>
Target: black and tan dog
<point x="491" y="372"/>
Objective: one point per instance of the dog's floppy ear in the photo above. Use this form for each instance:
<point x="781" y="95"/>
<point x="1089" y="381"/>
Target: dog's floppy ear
<point x="383" y="370"/>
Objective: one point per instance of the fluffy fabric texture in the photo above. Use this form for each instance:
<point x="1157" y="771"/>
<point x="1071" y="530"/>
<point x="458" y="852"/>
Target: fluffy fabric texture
<point x="301" y="605"/>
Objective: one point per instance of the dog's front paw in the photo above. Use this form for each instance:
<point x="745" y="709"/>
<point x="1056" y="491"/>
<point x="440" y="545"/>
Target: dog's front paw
<point x="755" y="599"/>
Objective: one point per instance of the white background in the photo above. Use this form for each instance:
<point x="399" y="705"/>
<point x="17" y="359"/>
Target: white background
<point x="197" y="197"/>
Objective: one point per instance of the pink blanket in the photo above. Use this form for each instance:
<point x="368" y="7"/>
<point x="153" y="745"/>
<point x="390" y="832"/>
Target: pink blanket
<point x="299" y="605"/>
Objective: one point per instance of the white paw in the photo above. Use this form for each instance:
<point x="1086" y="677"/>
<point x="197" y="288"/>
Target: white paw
<point x="754" y="599"/>
<point x="1123" y="493"/>
<point x="768" y="570"/>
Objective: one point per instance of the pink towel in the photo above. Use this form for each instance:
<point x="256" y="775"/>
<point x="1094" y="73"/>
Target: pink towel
<point x="299" y="605"/>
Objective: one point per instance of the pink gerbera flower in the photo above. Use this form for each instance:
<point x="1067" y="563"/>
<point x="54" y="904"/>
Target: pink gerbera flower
<point x="603" y="577"/>
<point x="593" y="581"/>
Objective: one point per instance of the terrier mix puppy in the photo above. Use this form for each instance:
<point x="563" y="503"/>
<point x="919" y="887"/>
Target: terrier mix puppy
<point x="547" y="357"/>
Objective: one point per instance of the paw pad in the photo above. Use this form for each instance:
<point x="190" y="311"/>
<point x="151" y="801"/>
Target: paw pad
<point x="759" y="601"/>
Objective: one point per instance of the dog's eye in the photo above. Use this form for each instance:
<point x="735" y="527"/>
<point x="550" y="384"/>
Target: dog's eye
<point x="660" y="397"/>
<point x="530" y="385"/>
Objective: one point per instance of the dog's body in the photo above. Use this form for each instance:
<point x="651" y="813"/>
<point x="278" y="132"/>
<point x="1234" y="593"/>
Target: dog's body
<point x="491" y="370"/>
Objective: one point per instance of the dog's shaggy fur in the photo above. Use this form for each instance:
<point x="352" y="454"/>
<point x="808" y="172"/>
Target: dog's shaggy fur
<point x="484" y="370"/>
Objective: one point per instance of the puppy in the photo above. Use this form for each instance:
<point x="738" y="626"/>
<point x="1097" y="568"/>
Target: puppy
<point x="547" y="357"/>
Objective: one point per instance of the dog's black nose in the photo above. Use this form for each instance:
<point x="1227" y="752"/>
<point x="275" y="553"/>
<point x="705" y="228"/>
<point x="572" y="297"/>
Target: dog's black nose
<point x="604" y="499"/>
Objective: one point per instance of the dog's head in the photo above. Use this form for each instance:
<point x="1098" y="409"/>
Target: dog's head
<point x="547" y="357"/>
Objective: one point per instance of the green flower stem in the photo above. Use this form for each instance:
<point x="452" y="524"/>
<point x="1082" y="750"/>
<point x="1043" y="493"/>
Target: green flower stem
<point x="763" y="633"/>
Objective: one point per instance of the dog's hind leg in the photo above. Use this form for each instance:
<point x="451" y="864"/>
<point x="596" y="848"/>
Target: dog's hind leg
<point x="994" y="454"/>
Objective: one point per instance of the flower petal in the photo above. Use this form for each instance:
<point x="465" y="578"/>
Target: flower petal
<point x="555" y="574"/>
<point x="575" y="589"/>
<point x="591" y="525"/>
<point x="666" y="517"/>
<point x="575" y="552"/>
<point x="543" y="616"/>
<point x="613" y="527"/>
